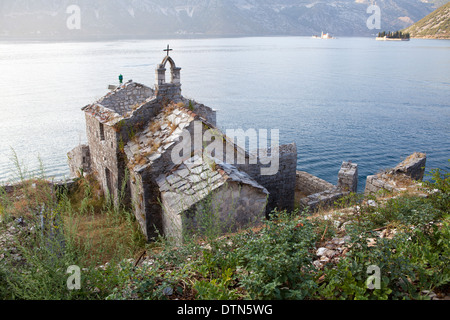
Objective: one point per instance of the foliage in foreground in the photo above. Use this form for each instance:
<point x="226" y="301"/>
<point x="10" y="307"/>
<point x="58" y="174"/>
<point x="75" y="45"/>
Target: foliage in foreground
<point x="272" y="262"/>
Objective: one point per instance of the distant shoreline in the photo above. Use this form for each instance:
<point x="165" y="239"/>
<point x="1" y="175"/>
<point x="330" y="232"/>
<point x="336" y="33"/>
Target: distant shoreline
<point x="390" y="39"/>
<point x="64" y="40"/>
<point x="168" y="37"/>
<point x="432" y="37"/>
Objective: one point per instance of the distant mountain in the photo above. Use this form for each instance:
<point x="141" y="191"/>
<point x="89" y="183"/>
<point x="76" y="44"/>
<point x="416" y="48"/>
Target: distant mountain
<point x="436" y="25"/>
<point x="101" y="19"/>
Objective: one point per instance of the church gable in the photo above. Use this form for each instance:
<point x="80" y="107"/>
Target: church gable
<point x="120" y="103"/>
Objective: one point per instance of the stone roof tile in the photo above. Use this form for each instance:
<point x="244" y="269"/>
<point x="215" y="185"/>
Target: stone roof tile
<point x="202" y="178"/>
<point x="160" y="135"/>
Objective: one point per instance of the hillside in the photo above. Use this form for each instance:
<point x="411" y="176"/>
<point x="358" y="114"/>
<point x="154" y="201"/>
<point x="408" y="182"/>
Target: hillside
<point x="293" y="256"/>
<point x="43" y="19"/>
<point x="435" y="26"/>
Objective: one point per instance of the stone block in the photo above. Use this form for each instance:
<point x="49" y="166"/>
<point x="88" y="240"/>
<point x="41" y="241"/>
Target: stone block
<point x="348" y="177"/>
<point x="413" y="166"/>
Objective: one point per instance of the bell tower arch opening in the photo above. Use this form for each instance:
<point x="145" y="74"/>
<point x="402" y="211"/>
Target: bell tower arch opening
<point x="170" y="84"/>
<point x="174" y="72"/>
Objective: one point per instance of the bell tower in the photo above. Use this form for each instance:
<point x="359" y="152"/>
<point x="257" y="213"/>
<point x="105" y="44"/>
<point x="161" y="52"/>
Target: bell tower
<point x="169" y="90"/>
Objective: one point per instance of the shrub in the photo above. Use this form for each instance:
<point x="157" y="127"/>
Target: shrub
<point x="278" y="261"/>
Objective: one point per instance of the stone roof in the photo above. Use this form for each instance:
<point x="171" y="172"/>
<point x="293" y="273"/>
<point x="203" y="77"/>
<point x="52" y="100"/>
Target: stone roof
<point x="159" y="135"/>
<point x="197" y="177"/>
<point x="120" y="103"/>
<point x="163" y="131"/>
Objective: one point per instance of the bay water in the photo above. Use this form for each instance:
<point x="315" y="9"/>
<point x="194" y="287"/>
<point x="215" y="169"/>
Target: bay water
<point x="357" y="99"/>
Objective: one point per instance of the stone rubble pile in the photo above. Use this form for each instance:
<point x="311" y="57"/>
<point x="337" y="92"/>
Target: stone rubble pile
<point x="8" y="237"/>
<point x="332" y="251"/>
<point x="398" y="179"/>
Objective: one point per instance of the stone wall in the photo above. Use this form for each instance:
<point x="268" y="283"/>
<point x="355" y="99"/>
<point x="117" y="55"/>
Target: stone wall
<point x="231" y="207"/>
<point x="322" y="199"/>
<point x="131" y="126"/>
<point x="125" y="97"/>
<point x="375" y="183"/>
<point x="79" y="160"/>
<point x="281" y="185"/>
<point x="103" y="144"/>
<point x="348" y="177"/>
<point x="201" y="110"/>
<point x="169" y="91"/>
<point x="317" y="193"/>
<point x="308" y="184"/>
<point x="136" y="189"/>
<point x="58" y="186"/>
<point x="413" y="166"/>
<point x="234" y="206"/>
<point x="399" y="178"/>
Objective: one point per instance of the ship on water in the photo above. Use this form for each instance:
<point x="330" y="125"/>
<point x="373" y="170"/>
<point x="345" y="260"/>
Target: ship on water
<point x="324" y="36"/>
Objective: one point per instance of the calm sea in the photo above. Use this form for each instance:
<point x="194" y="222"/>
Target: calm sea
<point x="354" y="99"/>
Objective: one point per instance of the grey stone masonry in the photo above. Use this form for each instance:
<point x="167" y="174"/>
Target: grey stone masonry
<point x="280" y="184"/>
<point x="322" y="199"/>
<point x="348" y="177"/>
<point x="79" y="161"/>
<point x="169" y="91"/>
<point x="413" y="166"/>
<point x="394" y="180"/>
<point x="204" y="193"/>
<point x="375" y="183"/>
<point x="308" y="184"/>
<point x="322" y="194"/>
<point x="125" y="98"/>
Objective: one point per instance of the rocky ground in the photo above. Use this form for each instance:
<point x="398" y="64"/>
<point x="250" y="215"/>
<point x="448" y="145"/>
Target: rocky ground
<point x="331" y="251"/>
<point x="8" y="239"/>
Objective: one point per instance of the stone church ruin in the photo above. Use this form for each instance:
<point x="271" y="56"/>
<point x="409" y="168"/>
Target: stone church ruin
<point x="134" y="133"/>
<point x="164" y="156"/>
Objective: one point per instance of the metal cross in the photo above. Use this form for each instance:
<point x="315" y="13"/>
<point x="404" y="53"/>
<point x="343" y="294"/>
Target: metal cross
<point x="168" y="50"/>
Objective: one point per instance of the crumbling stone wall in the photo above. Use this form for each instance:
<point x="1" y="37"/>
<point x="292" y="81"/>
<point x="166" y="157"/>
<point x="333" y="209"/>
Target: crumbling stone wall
<point x="79" y="160"/>
<point x="308" y="184"/>
<point x="322" y="199"/>
<point x="138" y="201"/>
<point x="381" y="181"/>
<point x="413" y="166"/>
<point x="321" y="194"/>
<point x="231" y="207"/>
<point x="348" y="177"/>
<point x="236" y="206"/>
<point x="396" y="179"/>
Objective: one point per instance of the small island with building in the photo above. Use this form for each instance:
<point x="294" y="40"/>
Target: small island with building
<point x="392" y="36"/>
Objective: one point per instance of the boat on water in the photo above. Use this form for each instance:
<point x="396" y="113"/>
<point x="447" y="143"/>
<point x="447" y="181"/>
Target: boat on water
<point x="324" y="36"/>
